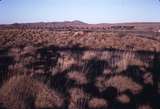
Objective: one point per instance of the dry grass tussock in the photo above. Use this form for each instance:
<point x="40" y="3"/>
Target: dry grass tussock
<point x="22" y="92"/>
<point x="97" y="103"/>
<point x="129" y="59"/>
<point x="80" y="78"/>
<point x="121" y="83"/>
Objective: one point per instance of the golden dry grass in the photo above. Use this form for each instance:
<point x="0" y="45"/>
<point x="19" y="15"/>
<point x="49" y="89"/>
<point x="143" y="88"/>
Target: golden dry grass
<point x="22" y="92"/>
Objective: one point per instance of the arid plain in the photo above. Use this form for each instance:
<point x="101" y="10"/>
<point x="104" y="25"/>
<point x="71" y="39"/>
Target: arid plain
<point x="75" y="65"/>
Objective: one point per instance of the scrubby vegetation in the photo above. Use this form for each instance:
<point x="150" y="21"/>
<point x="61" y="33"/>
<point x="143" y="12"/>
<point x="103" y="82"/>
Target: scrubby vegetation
<point x="48" y="69"/>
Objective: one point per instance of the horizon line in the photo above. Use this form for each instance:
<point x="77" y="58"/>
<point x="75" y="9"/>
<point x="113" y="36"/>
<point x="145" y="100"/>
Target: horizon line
<point x="61" y="21"/>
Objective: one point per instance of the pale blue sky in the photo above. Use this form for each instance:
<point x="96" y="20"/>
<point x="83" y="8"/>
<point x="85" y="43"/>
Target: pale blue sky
<point x="90" y="11"/>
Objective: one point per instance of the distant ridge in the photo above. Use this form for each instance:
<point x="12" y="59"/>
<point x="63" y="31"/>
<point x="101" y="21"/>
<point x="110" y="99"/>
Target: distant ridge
<point x="79" y="24"/>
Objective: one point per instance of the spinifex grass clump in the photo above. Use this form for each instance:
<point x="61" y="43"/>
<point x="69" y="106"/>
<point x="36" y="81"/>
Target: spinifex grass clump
<point x="22" y="92"/>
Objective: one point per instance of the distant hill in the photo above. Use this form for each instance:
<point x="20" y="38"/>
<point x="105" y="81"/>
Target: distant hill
<point x="79" y="24"/>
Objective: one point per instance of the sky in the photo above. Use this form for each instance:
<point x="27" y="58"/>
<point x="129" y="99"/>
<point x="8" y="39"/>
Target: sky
<point x="89" y="11"/>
